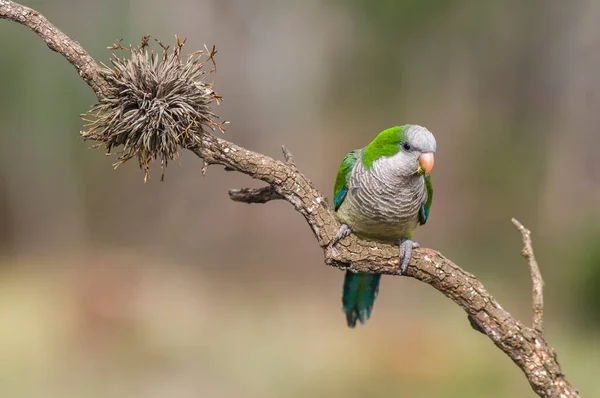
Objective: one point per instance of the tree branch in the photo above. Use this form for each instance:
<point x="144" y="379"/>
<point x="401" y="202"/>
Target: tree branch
<point x="525" y="346"/>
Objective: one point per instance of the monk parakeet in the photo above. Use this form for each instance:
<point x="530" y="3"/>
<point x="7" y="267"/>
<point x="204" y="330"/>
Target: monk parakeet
<point x="382" y="192"/>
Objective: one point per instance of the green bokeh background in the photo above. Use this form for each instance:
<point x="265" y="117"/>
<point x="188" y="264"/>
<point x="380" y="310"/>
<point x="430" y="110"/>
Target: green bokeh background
<point x="113" y="287"/>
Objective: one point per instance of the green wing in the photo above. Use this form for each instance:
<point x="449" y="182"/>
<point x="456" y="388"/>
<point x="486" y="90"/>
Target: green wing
<point x="341" y="181"/>
<point x="424" y="212"/>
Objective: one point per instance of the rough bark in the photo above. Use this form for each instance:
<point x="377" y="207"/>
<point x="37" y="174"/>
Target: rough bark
<point x="525" y="345"/>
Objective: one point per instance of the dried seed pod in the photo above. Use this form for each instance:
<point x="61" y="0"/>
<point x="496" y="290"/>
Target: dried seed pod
<point x="157" y="104"/>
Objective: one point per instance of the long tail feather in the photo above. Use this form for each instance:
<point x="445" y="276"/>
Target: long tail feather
<point x="360" y="291"/>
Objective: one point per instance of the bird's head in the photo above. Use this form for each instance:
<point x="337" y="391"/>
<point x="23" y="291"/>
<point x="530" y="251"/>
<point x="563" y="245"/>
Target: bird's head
<point x="409" y="149"/>
<point x="420" y="148"/>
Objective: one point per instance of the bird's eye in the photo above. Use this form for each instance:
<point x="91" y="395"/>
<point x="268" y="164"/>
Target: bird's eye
<point x="406" y="146"/>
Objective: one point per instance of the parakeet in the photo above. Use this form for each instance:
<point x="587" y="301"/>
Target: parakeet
<point x="382" y="192"/>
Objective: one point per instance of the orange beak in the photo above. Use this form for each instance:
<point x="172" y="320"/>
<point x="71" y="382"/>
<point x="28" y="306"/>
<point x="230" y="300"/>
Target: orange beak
<point x="426" y="162"/>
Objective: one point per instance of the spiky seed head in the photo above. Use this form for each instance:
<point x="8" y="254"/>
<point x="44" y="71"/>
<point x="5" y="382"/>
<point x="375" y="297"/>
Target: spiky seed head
<point x="157" y="104"/>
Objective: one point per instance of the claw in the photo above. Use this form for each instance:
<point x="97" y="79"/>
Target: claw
<point x="343" y="232"/>
<point x="406" y="246"/>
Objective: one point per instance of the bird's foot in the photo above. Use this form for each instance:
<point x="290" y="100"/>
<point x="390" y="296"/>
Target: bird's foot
<point x="406" y="247"/>
<point x="343" y="232"/>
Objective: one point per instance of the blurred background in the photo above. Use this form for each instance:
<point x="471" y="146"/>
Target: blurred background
<point x="113" y="287"/>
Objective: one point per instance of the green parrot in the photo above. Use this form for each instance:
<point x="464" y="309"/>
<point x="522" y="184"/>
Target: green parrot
<point x="382" y="192"/>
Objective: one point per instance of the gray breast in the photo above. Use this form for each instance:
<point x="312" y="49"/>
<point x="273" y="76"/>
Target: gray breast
<point x="380" y="204"/>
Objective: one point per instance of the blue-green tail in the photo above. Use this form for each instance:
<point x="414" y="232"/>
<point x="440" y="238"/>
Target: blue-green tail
<point x="360" y="290"/>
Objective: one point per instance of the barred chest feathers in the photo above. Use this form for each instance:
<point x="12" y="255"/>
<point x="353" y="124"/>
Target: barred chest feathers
<point x="383" y="202"/>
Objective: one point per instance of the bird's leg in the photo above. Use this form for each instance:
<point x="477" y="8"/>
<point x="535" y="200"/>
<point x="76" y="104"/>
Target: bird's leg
<point x="344" y="231"/>
<point x="406" y="246"/>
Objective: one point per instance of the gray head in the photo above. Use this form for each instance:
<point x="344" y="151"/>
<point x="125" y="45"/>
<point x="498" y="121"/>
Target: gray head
<point x="420" y="139"/>
<point x="407" y="149"/>
<point x="422" y="147"/>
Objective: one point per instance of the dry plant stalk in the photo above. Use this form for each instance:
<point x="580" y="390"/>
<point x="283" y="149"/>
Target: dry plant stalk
<point x="156" y="104"/>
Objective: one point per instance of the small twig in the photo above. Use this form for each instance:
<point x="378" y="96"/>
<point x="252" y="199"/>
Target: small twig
<point x="254" y="195"/>
<point x="288" y="155"/>
<point x="536" y="277"/>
